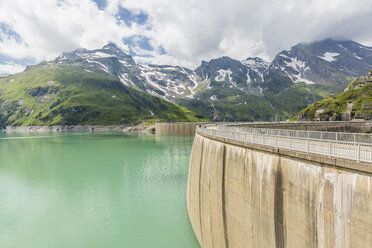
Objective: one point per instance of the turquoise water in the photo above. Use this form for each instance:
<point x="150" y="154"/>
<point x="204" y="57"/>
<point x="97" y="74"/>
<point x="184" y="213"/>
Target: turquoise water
<point x="94" y="190"/>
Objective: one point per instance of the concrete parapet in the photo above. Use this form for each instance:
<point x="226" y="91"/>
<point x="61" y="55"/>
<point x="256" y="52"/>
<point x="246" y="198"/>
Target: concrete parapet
<point x="178" y="128"/>
<point x="329" y="126"/>
<point x="246" y="195"/>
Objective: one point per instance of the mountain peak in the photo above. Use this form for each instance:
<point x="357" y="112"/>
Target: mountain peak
<point x="254" y="58"/>
<point x="111" y="46"/>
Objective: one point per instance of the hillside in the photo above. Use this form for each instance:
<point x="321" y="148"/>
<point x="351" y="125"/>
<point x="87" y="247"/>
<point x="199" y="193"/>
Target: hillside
<point x="68" y="94"/>
<point x="354" y="103"/>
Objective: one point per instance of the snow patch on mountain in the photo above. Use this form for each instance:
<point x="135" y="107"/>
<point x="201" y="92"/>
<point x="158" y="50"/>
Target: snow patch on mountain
<point x="249" y="80"/>
<point x="329" y="57"/>
<point x="222" y="75"/>
<point x="297" y="64"/>
<point x="172" y="80"/>
<point x="125" y="80"/>
<point x="103" y="55"/>
<point x="303" y="80"/>
<point x="257" y="65"/>
<point x="298" y="69"/>
<point x="356" y="56"/>
<point x="102" y="66"/>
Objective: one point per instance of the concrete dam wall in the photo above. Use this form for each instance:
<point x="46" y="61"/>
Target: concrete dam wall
<point x="252" y="196"/>
<point x="178" y="128"/>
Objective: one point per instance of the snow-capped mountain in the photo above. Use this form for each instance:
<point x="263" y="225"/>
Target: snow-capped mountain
<point x="325" y="62"/>
<point x="164" y="81"/>
<point x="245" y="76"/>
<point x="229" y="89"/>
<point x="109" y="59"/>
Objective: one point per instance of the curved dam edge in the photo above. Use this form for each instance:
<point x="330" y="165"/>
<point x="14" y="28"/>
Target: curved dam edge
<point x="245" y="195"/>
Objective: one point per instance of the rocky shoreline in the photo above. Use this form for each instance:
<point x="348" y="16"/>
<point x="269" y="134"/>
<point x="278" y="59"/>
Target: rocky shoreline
<point x="78" y="128"/>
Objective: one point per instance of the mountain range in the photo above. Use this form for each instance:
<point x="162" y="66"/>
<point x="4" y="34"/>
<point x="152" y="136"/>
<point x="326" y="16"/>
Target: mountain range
<point x="222" y="89"/>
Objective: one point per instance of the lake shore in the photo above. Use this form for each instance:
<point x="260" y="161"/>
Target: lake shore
<point x="78" y="128"/>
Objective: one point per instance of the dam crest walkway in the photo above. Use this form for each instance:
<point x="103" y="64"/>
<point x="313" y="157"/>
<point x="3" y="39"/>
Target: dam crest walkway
<point x="352" y="146"/>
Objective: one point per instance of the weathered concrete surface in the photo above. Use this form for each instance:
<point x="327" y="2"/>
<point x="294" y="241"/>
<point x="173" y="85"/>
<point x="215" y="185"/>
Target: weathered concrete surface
<point x="248" y="197"/>
<point x="179" y="128"/>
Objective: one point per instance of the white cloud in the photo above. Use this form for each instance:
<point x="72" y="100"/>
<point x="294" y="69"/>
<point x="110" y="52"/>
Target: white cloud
<point x="48" y="27"/>
<point x="189" y="31"/>
<point x="194" y="30"/>
<point x="11" y="68"/>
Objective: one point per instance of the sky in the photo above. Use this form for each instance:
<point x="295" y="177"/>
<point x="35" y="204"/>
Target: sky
<point x="174" y="32"/>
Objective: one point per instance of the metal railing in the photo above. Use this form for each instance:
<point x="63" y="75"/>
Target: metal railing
<point x="321" y="135"/>
<point x="361" y="152"/>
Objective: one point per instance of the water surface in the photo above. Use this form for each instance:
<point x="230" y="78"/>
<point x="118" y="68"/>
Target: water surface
<point x="94" y="190"/>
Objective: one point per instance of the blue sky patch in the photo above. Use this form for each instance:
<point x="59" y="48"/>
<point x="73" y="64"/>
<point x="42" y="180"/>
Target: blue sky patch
<point x="140" y="41"/>
<point x="4" y="59"/>
<point x="101" y="4"/>
<point x="7" y="30"/>
<point x="129" y="17"/>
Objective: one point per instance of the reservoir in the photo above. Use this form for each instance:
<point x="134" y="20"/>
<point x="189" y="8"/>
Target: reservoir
<point x="94" y="190"/>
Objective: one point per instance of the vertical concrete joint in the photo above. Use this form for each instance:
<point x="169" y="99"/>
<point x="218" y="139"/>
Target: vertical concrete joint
<point x="279" y="208"/>
<point x="226" y="237"/>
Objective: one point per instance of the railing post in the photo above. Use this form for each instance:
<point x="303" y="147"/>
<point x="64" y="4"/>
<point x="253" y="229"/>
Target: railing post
<point x="308" y="146"/>
<point x="329" y="148"/>
<point x="358" y="152"/>
<point x="290" y="143"/>
<point x="276" y="141"/>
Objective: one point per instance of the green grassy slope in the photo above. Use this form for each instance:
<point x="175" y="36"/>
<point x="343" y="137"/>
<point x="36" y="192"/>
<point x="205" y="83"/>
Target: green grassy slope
<point x="69" y="95"/>
<point x="298" y="96"/>
<point x="356" y="100"/>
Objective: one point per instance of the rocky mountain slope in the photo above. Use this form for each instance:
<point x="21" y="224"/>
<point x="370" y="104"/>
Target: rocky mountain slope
<point x="70" y="94"/>
<point x="225" y="89"/>
<point x="328" y="62"/>
<point x="354" y="103"/>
